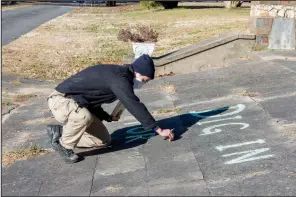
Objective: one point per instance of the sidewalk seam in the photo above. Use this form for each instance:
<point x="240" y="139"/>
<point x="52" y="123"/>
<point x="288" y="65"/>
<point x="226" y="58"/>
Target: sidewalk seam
<point x="203" y="176"/>
<point x="284" y="67"/>
<point x="146" y="176"/>
<point x="190" y="146"/>
<point x="40" y="188"/>
<point x="93" y="175"/>
<point x="258" y="104"/>
<point x="169" y="94"/>
<point x="9" y="112"/>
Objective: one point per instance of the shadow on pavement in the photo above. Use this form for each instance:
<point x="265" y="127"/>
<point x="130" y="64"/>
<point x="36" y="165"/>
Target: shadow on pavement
<point x="133" y="136"/>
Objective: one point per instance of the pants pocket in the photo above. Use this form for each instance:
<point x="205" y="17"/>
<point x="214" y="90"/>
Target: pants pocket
<point x="61" y="108"/>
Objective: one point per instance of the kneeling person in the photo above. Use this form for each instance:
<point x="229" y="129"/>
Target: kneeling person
<point x="76" y="103"/>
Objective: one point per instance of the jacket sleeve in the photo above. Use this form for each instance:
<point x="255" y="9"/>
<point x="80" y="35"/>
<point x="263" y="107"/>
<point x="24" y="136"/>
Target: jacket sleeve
<point x="125" y="94"/>
<point x="100" y="113"/>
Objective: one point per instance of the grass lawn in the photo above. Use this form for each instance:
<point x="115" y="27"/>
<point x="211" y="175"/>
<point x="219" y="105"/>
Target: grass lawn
<point x="88" y="36"/>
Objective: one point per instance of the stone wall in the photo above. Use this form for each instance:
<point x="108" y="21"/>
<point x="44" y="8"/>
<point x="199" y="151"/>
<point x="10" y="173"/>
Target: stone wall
<point x="263" y="15"/>
<point x="274" y="10"/>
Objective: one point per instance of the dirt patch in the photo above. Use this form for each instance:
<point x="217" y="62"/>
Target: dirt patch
<point x="39" y="121"/>
<point x="243" y="92"/>
<point x="167" y="88"/>
<point x="15" y="83"/>
<point x="249" y="94"/>
<point x="16" y="141"/>
<point x="166" y="111"/>
<point x="166" y="75"/>
<point x="11" y="101"/>
<point x="23" y="98"/>
<point x="259" y="47"/>
<point x="114" y="188"/>
<point x="289" y="130"/>
<point x="17" y="98"/>
<point x="88" y="36"/>
<point x="11" y="157"/>
<point x="252" y="174"/>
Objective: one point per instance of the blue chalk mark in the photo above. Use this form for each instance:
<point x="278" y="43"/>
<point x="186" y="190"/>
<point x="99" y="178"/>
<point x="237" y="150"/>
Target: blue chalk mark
<point x="205" y="114"/>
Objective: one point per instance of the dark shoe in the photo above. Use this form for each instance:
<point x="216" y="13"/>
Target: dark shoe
<point x="54" y="132"/>
<point x="68" y="154"/>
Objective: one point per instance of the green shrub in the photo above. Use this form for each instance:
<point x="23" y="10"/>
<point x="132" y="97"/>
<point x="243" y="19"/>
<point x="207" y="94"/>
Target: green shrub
<point x="150" y="4"/>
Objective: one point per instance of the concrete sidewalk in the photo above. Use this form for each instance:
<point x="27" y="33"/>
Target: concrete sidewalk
<point x="235" y="128"/>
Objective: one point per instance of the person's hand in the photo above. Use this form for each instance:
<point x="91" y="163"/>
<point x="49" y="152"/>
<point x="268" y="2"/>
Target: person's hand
<point x="115" y="118"/>
<point x="167" y="133"/>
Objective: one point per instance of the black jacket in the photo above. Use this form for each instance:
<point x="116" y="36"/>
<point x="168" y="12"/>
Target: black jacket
<point x="101" y="84"/>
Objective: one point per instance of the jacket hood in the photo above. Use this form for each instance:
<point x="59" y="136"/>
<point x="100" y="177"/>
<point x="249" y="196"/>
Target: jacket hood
<point x="144" y="65"/>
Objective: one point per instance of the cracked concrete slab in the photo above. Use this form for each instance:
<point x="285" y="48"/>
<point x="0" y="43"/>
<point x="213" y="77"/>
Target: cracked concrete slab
<point x="48" y="175"/>
<point x="289" y="64"/>
<point x="120" y="162"/>
<point x="27" y="120"/>
<point x="194" y="188"/>
<point x="228" y="142"/>
<point x="281" y="108"/>
<point x="121" y="184"/>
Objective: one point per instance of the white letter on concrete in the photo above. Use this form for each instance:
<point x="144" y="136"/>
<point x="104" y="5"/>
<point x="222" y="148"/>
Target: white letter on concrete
<point x="248" y="156"/>
<point x="210" y="121"/>
<point x="207" y="131"/>
<point x="221" y="148"/>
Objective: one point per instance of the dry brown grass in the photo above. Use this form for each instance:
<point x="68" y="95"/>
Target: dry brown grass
<point x="12" y="7"/>
<point x="87" y="36"/>
<point x="10" y="157"/>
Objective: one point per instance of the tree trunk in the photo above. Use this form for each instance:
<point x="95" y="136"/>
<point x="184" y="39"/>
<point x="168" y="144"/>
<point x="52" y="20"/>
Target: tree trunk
<point x="110" y="3"/>
<point x="232" y="4"/>
<point x="169" y="4"/>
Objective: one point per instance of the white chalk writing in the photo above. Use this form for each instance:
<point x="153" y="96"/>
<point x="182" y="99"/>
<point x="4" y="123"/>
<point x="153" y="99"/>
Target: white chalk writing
<point x="209" y="130"/>
<point x="221" y="148"/>
<point x="211" y="121"/>
<point x="247" y="156"/>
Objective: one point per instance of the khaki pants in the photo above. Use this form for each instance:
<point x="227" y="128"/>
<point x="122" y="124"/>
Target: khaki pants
<point x="81" y="128"/>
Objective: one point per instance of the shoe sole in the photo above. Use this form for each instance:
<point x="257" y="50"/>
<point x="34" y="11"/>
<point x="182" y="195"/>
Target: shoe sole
<point x="72" y="162"/>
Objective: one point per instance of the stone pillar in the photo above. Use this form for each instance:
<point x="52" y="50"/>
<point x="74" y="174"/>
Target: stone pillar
<point x="265" y="17"/>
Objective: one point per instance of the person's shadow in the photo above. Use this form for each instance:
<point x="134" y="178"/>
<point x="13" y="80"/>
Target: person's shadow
<point x="129" y="137"/>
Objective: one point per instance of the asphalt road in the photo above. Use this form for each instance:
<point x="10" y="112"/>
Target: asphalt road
<point x="20" y="21"/>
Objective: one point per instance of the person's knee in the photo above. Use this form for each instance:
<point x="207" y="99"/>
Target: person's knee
<point x="84" y="118"/>
<point x="108" y="141"/>
<point x="88" y="119"/>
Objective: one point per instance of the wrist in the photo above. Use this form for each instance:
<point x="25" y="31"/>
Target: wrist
<point x="109" y="119"/>
<point x="157" y="129"/>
